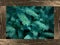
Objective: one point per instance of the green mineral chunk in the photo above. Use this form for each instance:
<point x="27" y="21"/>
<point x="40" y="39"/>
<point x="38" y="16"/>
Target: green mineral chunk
<point x="12" y="19"/>
<point x="28" y="37"/>
<point x="11" y="31"/>
<point x="48" y="34"/>
<point x="31" y="13"/>
<point x="42" y="37"/>
<point x="35" y="33"/>
<point x="24" y="19"/>
<point x="20" y="34"/>
<point x="41" y="25"/>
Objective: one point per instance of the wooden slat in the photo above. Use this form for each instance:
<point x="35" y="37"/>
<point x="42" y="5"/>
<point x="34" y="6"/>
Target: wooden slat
<point x="2" y="22"/>
<point x="59" y="22"/>
<point x="44" y="3"/>
<point x="28" y="42"/>
<point x="29" y="0"/>
<point x="38" y="2"/>
<point x="56" y="30"/>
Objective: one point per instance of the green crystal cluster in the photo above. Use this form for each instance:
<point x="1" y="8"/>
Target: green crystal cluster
<point x="30" y="22"/>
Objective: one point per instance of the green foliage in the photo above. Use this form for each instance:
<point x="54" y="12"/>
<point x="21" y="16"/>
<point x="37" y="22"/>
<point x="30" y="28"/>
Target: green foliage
<point x="30" y="22"/>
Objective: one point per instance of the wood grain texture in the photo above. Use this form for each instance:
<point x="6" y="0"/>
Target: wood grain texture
<point x="59" y="23"/>
<point x="28" y="42"/>
<point x="2" y="22"/>
<point x="57" y="28"/>
<point x="38" y="3"/>
<point x="31" y="2"/>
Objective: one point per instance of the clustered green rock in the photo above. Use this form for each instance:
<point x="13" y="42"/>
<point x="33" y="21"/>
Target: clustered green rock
<point x="30" y="22"/>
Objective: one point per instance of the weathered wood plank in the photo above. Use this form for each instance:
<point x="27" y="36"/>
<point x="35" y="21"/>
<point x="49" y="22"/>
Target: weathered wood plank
<point x="2" y="22"/>
<point x="31" y="2"/>
<point x="38" y="3"/>
<point x="29" y="42"/>
<point x="56" y="30"/>
<point x="59" y="22"/>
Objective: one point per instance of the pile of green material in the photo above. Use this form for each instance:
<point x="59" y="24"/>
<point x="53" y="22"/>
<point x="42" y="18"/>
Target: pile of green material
<point x="30" y="22"/>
